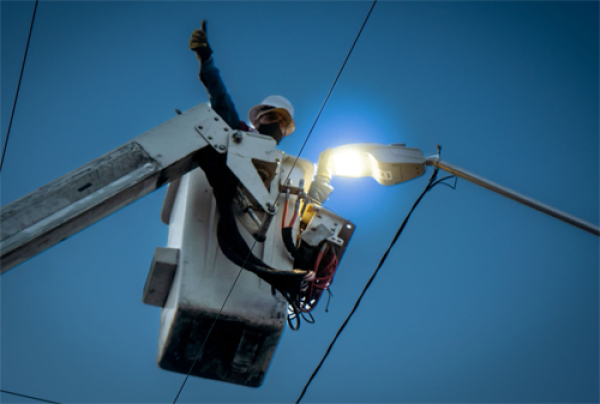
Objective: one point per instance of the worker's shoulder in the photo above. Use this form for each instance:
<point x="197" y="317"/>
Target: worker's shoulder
<point x="246" y="128"/>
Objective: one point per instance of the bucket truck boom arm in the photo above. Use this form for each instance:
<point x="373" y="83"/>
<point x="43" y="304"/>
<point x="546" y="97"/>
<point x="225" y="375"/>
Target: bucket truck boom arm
<point x="77" y="200"/>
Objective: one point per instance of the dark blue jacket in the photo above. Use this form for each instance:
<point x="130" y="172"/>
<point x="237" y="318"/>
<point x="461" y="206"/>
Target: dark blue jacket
<point x="220" y="100"/>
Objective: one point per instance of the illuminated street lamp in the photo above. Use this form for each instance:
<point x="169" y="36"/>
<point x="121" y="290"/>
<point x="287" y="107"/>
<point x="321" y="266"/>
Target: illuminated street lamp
<point x="396" y="163"/>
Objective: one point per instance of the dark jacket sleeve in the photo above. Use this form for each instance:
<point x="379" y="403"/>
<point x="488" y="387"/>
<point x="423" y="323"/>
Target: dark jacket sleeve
<point x="220" y="100"/>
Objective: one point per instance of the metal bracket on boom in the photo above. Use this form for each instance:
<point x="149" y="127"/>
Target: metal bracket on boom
<point x="243" y="149"/>
<point x="241" y="158"/>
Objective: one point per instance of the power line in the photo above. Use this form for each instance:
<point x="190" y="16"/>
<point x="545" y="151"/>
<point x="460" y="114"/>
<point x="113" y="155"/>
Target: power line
<point x="12" y="114"/>
<point x="277" y="198"/>
<point x="33" y="398"/>
<point x="432" y="183"/>
<point x="321" y="110"/>
<point x="338" y="75"/>
<point x="331" y="89"/>
<point x="208" y="334"/>
<point x="325" y="102"/>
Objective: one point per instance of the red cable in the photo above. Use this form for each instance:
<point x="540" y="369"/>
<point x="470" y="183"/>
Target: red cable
<point x="293" y="219"/>
<point x="322" y="281"/>
<point x="285" y="210"/>
<point x="316" y="270"/>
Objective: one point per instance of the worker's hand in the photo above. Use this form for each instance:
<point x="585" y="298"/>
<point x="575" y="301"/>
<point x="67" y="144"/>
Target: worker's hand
<point x="199" y="43"/>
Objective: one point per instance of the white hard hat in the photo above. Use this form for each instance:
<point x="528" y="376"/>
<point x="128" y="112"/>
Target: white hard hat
<point x="275" y="103"/>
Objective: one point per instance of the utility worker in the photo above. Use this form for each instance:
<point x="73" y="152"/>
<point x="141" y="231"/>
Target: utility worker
<point x="274" y="116"/>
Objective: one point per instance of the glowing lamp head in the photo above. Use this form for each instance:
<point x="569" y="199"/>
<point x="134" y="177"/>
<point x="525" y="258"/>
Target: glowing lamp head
<point x="386" y="164"/>
<point x="349" y="162"/>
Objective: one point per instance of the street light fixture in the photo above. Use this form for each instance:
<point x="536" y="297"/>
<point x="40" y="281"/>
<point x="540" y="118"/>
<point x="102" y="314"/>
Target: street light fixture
<point x="388" y="165"/>
<point x="396" y="163"/>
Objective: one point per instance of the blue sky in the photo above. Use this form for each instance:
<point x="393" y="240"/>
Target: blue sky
<point x="481" y="300"/>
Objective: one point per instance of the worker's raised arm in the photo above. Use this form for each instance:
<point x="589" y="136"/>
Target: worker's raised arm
<point x="220" y="100"/>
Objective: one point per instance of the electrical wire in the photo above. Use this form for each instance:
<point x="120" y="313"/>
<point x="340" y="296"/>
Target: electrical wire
<point x="442" y="181"/>
<point x="329" y="296"/>
<point x="206" y="339"/>
<point x="319" y="115"/>
<point x="31" y="397"/>
<point x="329" y="93"/>
<point x="12" y="114"/>
<point x="296" y="314"/>
<point x="432" y="183"/>
<point x="310" y="319"/>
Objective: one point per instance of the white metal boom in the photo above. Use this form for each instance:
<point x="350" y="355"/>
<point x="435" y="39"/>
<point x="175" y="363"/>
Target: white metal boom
<point x="93" y="191"/>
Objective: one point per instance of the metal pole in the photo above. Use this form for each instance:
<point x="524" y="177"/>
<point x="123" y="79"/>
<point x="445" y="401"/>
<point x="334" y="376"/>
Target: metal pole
<point x="516" y="196"/>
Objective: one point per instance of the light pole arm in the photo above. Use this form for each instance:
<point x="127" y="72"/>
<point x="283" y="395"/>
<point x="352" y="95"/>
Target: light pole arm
<point x="509" y="193"/>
